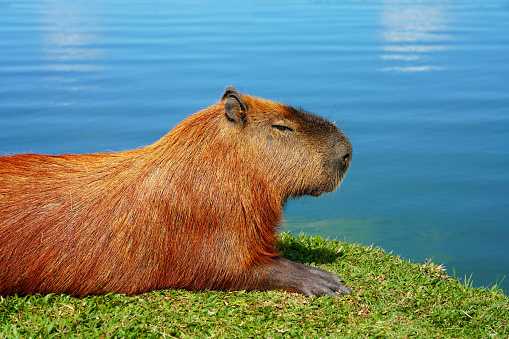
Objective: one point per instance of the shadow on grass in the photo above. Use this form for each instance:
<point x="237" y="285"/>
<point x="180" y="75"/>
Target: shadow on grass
<point x="307" y="250"/>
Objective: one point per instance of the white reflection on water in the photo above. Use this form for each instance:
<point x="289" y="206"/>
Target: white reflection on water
<point x="69" y="43"/>
<point x="412" y="31"/>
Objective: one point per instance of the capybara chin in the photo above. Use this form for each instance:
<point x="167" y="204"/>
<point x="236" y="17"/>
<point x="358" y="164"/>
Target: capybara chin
<point x="196" y="210"/>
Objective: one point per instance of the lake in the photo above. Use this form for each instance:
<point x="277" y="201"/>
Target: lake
<point x="421" y="88"/>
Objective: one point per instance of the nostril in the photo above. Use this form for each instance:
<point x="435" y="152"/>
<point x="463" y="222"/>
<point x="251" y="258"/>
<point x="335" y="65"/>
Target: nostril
<point x="346" y="157"/>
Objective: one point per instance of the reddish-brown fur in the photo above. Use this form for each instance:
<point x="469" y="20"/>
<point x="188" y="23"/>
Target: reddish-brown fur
<point x="196" y="210"/>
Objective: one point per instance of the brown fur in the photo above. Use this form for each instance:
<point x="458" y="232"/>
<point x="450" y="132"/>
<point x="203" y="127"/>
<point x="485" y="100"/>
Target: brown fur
<point x="196" y="210"/>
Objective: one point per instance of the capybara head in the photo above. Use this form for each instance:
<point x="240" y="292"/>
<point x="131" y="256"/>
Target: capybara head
<point x="299" y="152"/>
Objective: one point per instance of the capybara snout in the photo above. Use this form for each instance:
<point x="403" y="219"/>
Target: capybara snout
<point x="198" y="209"/>
<point x="341" y="156"/>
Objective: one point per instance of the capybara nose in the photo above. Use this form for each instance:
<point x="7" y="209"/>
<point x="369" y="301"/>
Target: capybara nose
<point x="343" y="150"/>
<point x="346" y="157"/>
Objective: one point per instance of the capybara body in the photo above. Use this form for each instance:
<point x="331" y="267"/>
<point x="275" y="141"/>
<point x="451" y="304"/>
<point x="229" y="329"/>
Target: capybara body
<point x="196" y="210"/>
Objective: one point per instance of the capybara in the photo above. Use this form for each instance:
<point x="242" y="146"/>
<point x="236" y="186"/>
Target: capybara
<point x="198" y="209"/>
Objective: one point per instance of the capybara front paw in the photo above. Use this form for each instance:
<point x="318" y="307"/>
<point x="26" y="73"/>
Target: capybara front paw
<point x="320" y="282"/>
<point x="305" y="279"/>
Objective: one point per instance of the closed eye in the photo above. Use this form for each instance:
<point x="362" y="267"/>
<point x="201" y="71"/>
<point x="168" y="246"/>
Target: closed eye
<point x="282" y="128"/>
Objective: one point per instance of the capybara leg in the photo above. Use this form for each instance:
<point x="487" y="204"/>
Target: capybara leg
<point x="294" y="277"/>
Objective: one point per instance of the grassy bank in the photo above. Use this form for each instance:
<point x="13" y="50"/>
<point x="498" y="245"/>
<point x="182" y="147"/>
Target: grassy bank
<point x="392" y="298"/>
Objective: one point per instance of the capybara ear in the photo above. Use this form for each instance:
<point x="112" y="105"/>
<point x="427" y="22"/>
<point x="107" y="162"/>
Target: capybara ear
<point x="230" y="90"/>
<point x="236" y="108"/>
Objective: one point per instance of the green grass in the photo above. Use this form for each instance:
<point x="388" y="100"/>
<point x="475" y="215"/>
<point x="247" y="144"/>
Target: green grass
<point x="392" y="298"/>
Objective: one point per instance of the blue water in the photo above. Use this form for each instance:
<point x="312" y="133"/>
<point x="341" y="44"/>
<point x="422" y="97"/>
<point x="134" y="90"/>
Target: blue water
<point x="421" y="88"/>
